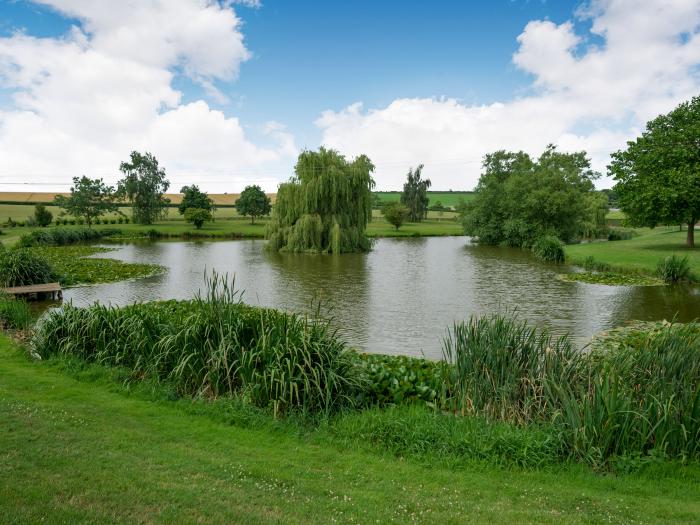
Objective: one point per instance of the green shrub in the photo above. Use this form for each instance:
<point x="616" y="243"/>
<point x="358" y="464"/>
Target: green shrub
<point x="621" y="234"/>
<point x="673" y="269"/>
<point x="22" y="267"/>
<point x="549" y="248"/>
<point x="399" y="379"/>
<point x="63" y="237"/>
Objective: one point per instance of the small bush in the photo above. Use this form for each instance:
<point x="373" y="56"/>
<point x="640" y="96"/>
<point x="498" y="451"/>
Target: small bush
<point x="22" y="267"/>
<point x="673" y="269"/>
<point x="621" y="234"/>
<point x="42" y="216"/>
<point x="549" y="248"/>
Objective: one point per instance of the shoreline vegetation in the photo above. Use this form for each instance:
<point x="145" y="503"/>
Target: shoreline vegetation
<point x="250" y="402"/>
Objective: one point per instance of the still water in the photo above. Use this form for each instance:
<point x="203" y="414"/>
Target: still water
<point x="401" y="297"/>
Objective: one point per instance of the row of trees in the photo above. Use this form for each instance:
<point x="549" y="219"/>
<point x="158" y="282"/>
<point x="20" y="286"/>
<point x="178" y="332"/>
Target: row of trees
<point x="519" y="199"/>
<point x="143" y="188"/>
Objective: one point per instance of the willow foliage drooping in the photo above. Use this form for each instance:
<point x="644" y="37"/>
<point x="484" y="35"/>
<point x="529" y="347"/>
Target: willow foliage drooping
<point x="325" y="207"/>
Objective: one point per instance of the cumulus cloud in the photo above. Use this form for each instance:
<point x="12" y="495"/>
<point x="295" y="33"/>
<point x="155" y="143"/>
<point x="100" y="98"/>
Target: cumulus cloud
<point x="84" y="100"/>
<point x="584" y="95"/>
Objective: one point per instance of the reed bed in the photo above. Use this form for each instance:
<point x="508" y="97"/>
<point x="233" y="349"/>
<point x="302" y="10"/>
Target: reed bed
<point x="637" y="397"/>
<point x="14" y="313"/>
<point x="213" y="346"/>
<point x="20" y="267"/>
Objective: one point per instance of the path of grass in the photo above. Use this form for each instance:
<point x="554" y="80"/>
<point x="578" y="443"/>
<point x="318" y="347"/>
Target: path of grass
<point x="86" y="452"/>
<point x="641" y="253"/>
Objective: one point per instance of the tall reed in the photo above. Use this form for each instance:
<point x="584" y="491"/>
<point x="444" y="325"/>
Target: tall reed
<point x="213" y="346"/>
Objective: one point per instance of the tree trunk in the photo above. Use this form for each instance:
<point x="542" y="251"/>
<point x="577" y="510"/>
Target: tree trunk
<point x="252" y="219"/>
<point x="690" y="240"/>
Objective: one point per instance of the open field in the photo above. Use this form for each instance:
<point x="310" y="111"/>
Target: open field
<point x="77" y="447"/>
<point x="640" y="253"/>
<point x="240" y="227"/>
<point x="34" y="197"/>
<point x="447" y="198"/>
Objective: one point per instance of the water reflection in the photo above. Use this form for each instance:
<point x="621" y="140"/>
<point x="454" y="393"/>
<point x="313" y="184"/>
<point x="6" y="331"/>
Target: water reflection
<point x="401" y="297"/>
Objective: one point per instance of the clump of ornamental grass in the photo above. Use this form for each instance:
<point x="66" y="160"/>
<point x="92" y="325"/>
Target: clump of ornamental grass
<point x="213" y="346"/>
<point x="14" y="313"/>
<point x="21" y="267"/>
<point x="673" y="269"/>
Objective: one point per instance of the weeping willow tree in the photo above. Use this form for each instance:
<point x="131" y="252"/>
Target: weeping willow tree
<point x="325" y="207"/>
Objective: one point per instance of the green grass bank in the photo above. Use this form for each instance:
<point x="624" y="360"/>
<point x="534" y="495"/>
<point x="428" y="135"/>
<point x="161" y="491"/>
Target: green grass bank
<point x="639" y="254"/>
<point x="76" y="446"/>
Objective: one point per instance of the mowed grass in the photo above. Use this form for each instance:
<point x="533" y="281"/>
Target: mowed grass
<point x="640" y="253"/>
<point x="79" y="448"/>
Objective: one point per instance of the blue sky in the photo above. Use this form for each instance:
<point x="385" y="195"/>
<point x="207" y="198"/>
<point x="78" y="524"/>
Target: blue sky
<point x="474" y="76"/>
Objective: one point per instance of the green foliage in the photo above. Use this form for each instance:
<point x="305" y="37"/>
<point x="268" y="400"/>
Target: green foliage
<point x="144" y="184"/>
<point x="21" y="267"/>
<point x="197" y="216"/>
<point x="415" y="196"/>
<point x="325" y="207"/>
<point x="253" y="202"/>
<point x="621" y="234"/>
<point x="212" y="346"/>
<point x="399" y="379"/>
<point x="74" y="265"/>
<point x="549" y="248"/>
<point x="631" y="395"/>
<point x="657" y="175"/>
<point x="89" y="199"/>
<point x="193" y="197"/>
<point x="63" y="236"/>
<point x="416" y="431"/>
<point x="14" y="313"/>
<point x="673" y="269"/>
<point x="395" y="213"/>
<point x="42" y="216"/>
<point x="518" y="200"/>
<point x="500" y="367"/>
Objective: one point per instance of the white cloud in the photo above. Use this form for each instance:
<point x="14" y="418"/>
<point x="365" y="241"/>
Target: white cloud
<point x="83" y="101"/>
<point x="585" y="96"/>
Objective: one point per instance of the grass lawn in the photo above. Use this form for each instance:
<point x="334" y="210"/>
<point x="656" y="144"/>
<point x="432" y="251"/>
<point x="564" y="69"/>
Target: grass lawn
<point x="640" y="253"/>
<point x="241" y="227"/>
<point x="447" y="198"/>
<point x="89" y="451"/>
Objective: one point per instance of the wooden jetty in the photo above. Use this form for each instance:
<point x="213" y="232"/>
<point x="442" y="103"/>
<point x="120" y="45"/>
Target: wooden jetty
<point x="36" y="291"/>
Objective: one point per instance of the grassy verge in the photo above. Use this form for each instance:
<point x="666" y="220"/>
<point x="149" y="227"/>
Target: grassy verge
<point x="242" y="228"/>
<point x="80" y="448"/>
<point x="640" y="254"/>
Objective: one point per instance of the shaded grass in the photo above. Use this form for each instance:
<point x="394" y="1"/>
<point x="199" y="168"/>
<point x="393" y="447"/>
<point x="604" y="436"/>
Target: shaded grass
<point x="88" y="450"/>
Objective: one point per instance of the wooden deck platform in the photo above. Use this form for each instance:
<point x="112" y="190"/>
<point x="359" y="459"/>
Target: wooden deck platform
<point x="34" y="291"/>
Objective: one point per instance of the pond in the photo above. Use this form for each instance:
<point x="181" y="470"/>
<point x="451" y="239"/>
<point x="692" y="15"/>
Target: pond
<point x="401" y="297"/>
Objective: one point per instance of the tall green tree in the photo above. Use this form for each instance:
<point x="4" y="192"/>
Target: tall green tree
<point x="658" y="175"/>
<point x="193" y="197"/>
<point x="415" y="194"/>
<point x="518" y="199"/>
<point x="89" y="198"/>
<point x="253" y="202"/>
<point x="144" y="185"/>
<point x="326" y="206"/>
